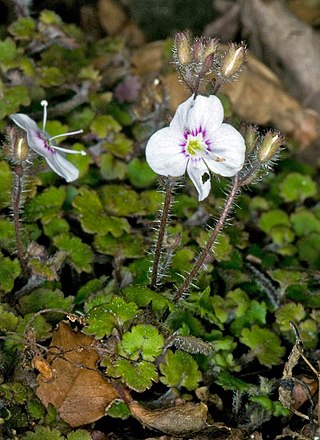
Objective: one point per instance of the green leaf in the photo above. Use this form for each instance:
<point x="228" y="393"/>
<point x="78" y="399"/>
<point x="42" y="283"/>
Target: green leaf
<point x="8" y="320"/>
<point x="92" y="217"/>
<point x="288" y="277"/>
<point x="79" y="434"/>
<point x="142" y="340"/>
<point x="111" y="168"/>
<point x="54" y="226"/>
<point x="138" y="376"/>
<point x="79" y="253"/>
<point x="50" y="76"/>
<point x="142" y="296"/>
<point x="13" y="99"/>
<point x="127" y="246"/>
<point x="308" y="248"/>
<point x="5" y="184"/>
<point x="270" y="219"/>
<point x="8" y="50"/>
<point x="180" y="370"/>
<point x="289" y="312"/>
<point x="102" y="125"/>
<point x="43" y="298"/>
<point x="78" y="160"/>
<point x="264" y="344"/>
<point x="103" y="318"/>
<point x="120" y="147"/>
<point x="120" y="200"/>
<point x="9" y="271"/>
<point x="305" y="222"/>
<point x="231" y="383"/>
<point x="24" y="28"/>
<point x="118" y="409"/>
<point x="40" y="326"/>
<point x="140" y="174"/>
<point x="297" y="187"/>
<point x="91" y="287"/>
<point x="42" y="432"/>
<point x="49" y="203"/>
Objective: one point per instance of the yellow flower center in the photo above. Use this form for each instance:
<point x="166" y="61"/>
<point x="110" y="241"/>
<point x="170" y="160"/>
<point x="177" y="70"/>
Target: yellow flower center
<point x="193" y="147"/>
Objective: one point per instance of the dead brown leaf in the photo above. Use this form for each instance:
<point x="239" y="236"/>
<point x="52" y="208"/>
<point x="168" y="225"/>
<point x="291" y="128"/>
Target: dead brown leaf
<point x="78" y="390"/>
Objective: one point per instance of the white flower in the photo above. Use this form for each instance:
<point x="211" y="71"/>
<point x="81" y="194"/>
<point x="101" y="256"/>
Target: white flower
<point x="197" y="140"/>
<point x="41" y="142"/>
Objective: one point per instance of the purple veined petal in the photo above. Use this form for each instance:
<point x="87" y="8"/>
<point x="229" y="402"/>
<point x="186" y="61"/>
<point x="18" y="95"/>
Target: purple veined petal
<point x="23" y="121"/>
<point x="196" y="174"/>
<point x="228" y="152"/>
<point x="62" y="167"/>
<point x="164" y="153"/>
<point x="206" y="112"/>
<point x="39" y="143"/>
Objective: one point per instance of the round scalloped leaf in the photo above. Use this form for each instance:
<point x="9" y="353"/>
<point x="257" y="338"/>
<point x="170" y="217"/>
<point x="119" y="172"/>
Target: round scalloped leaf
<point x="5" y="184"/>
<point x="42" y="432"/>
<point x="111" y="168"/>
<point x="120" y="200"/>
<point x="103" y="318"/>
<point x="142" y="340"/>
<point x="142" y="296"/>
<point x="118" y="409"/>
<point x="138" y="376"/>
<point x="264" y="344"/>
<point x="289" y="312"/>
<point x="308" y="248"/>
<point x="48" y="203"/>
<point x="43" y="298"/>
<point x="120" y="147"/>
<point x="79" y="434"/>
<point x="272" y="218"/>
<point x="55" y="226"/>
<point x="8" y="50"/>
<point x="140" y="174"/>
<point x="126" y="246"/>
<point x="9" y="271"/>
<point x="80" y="161"/>
<point x="297" y="187"/>
<point x="8" y="320"/>
<point x="80" y="254"/>
<point x="39" y="324"/>
<point x="102" y="125"/>
<point x="93" y="218"/>
<point x="305" y="222"/>
<point x="180" y="370"/>
<point x="50" y="76"/>
<point x="90" y="288"/>
<point x="23" y="29"/>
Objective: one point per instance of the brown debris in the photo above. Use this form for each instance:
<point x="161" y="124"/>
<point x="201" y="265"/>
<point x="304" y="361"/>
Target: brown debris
<point x="78" y="390"/>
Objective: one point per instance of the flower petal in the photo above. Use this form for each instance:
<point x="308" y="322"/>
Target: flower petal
<point x="197" y="174"/>
<point x="204" y="111"/>
<point x="23" y="121"/>
<point x="62" y="167"/>
<point x="164" y="153"/>
<point x="228" y="151"/>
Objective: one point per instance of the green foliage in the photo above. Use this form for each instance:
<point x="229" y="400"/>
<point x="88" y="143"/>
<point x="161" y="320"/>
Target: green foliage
<point x="9" y="271"/>
<point x="143" y="340"/>
<point x="297" y="187"/>
<point x="5" y="184"/>
<point x="102" y="319"/>
<point x="180" y="370"/>
<point x="47" y="204"/>
<point x="264" y="344"/>
<point x="138" y="375"/>
<point x="118" y="409"/>
<point x="42" y="432"/>
<point x="43" y="298"/>
<point x="140" y="174"/>
<point x="79" y="253"/>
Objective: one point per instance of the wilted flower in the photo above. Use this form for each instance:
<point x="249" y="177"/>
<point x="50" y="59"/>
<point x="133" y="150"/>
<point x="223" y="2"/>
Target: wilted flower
<point x="197" y="140"/>
<point x="41" y="142"/>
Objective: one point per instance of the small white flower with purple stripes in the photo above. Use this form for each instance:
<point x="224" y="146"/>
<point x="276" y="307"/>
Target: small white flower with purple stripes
<point x="197" y="140"/>
<point x="41" y="142"/>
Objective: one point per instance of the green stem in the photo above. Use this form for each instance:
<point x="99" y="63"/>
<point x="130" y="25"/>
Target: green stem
<point x="162" y="230"/>
<point x="207" y="249"/>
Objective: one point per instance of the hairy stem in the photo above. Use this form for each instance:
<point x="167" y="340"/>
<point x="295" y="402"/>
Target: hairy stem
<point x="16" y="203"/>
<point x="207" y="249"/>
<point x="162" y="230"/>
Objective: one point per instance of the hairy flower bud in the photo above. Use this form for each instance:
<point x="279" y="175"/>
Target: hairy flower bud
<point x="251" y="138"/>
<point x="211" y="48"/>
<point x="234" y="60"/>
<point x="181" y="41"/>
<point x="270" y="146"/>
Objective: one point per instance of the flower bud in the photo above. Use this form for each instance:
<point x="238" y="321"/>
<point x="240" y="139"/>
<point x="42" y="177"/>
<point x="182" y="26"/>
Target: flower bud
<point x="251" y="138"/>
<point x="182" y="45"/>
<point x="19" y="148"/>
<point x="197" y="50"/>
<point x="234" y="60"/>
<point x="270" y="146"/>
<point x="211" y="48"/>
